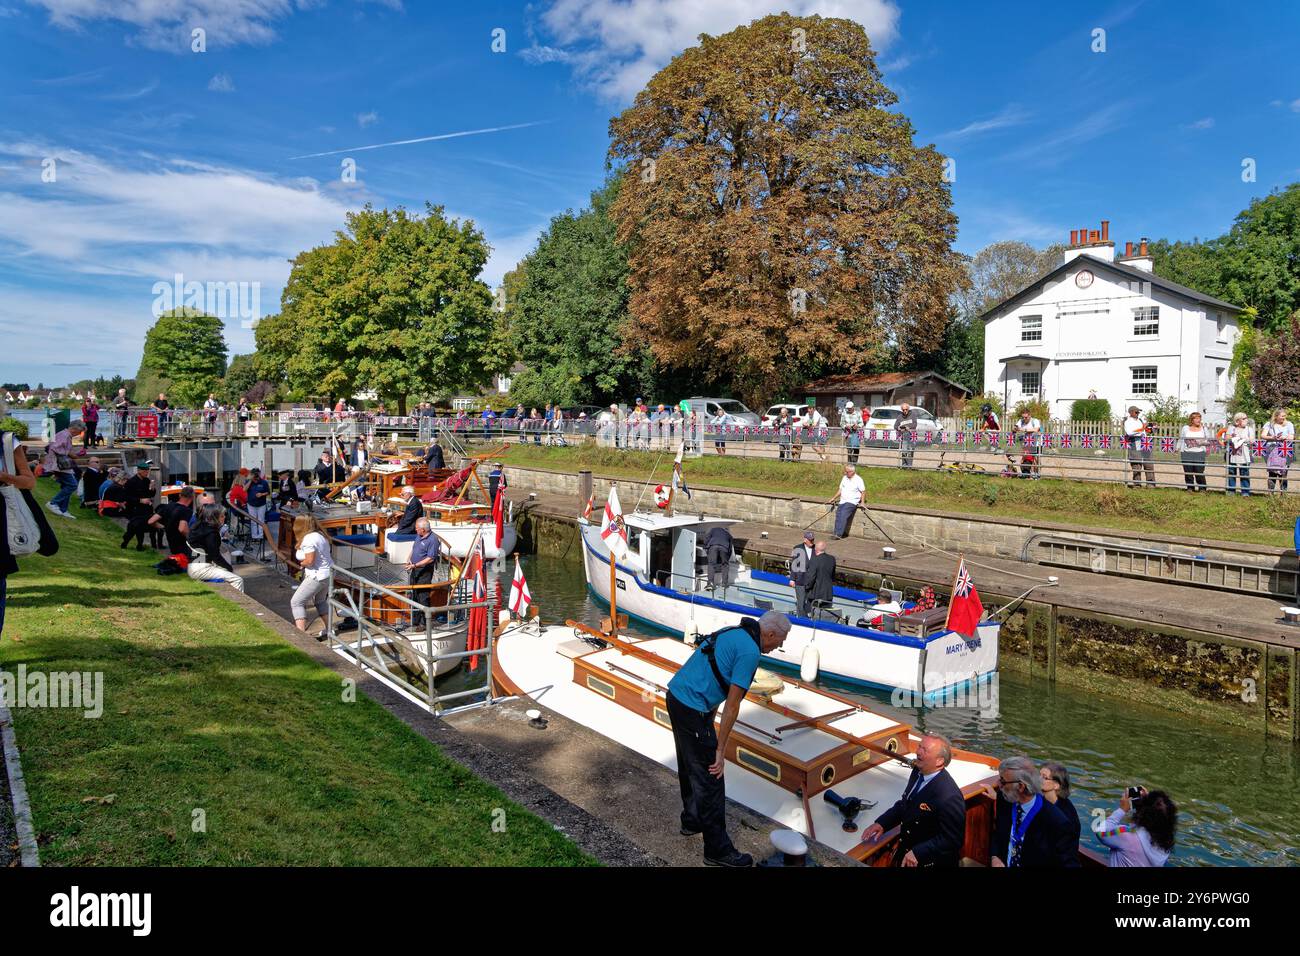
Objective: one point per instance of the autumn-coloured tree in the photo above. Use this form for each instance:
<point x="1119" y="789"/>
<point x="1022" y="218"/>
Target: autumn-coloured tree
<point x="1275" y="369"/>
<point x="779" y="218"/>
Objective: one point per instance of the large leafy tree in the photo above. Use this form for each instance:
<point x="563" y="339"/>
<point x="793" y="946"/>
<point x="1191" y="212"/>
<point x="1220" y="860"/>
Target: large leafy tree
<point x="394" y="304"/>
<point x="567" y="311"/>
<point x="184" y="356"/>
<point x="779" y="216"/>
<point x="1256" y="263"/>
<point x="1275" y="369"/>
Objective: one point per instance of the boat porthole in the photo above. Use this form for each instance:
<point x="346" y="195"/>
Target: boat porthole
<point x="828" y="775"/>
<point x="892" y="745"/>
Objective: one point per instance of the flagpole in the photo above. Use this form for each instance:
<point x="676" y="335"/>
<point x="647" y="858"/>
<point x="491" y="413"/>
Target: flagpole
<point x="613" y="590"/>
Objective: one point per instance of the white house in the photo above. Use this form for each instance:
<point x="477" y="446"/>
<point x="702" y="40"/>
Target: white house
<point x="1109" y="326"/>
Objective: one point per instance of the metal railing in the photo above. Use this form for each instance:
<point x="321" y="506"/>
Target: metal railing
<point x="380" y="649"/>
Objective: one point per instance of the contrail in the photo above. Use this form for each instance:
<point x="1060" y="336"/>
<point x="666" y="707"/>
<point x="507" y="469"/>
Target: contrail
<point x="422" y="139"/>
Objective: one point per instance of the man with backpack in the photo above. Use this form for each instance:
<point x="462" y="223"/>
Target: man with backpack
<point x="720" y="670"/>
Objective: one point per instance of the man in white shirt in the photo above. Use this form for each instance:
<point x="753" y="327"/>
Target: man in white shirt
<point x="850" y="498"/>
<point x="1027" y="428"/>
<point x="1139" y="458"/>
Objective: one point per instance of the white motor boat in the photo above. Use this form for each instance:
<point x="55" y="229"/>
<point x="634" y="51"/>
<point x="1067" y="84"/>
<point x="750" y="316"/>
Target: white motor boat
<point x="859" y="638"/>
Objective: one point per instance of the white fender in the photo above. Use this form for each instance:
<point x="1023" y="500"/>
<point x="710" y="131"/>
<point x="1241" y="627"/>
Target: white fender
<point x="810" y="663"/>
<point x="691" y="634"/>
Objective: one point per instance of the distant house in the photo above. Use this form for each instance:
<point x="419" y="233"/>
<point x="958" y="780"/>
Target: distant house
<point x="1108" y="325"/>
<point x="928" y="390"/>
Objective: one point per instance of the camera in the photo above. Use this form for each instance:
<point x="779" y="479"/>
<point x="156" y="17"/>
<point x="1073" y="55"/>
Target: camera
<point x="1134" y="792"/>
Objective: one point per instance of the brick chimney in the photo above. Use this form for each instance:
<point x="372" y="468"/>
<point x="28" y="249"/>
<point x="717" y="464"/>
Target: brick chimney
<point x="1093" y="242"/>
<point x="1139" y="258"/>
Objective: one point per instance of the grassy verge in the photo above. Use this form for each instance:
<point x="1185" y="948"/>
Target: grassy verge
<point x="210" y="717"/>
<point x="1258" y="520"/>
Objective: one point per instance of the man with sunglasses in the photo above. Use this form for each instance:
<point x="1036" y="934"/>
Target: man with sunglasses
<point x="1030" y="831"/>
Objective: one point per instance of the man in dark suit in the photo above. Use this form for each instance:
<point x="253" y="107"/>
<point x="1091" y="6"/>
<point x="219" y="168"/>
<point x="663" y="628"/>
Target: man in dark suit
<point x="433" y="457"/>
<point x="819" y="579"/>
<point x="931" y="814"/>
<point x="1030" y="831"/>
<point x="411" y="513"/>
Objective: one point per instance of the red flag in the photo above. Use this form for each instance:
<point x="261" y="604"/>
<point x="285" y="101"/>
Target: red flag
<point x="964" y="608"/>
<point x="591" y="504"/>
<point x="499" y="514"/>
<point x="478" y="616"/>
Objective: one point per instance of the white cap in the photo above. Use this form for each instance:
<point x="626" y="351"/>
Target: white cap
<point x="848" y="404"/>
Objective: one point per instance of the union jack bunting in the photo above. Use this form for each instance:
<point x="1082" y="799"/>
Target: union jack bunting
<point x="1047" y="441"/>
<point x="995" y="438"/>
<point x="1104" y="441"/>
<point x="1085" y="441"/>
<point x="1066" y="441"/>
<point x="1124" y="442"/>
<point x="1286" y="448"/>
<point x="960" y="438"/>
<point x="1146" y="443"/>
<point x="929" y="438"/>
<point x="979" y="438"/>
<point x="1166" y="444"/>
<point x="1257" y="448"/>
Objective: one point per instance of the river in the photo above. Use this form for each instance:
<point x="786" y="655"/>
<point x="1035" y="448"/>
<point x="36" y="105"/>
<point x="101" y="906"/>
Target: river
<point x="1236" y="791"/>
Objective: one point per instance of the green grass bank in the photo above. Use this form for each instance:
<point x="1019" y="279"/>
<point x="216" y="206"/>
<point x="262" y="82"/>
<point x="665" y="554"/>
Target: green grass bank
<point x="1256" y="520"/>
<point x="221" y="744"/>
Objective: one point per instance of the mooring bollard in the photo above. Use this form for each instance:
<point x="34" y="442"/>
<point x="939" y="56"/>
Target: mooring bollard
<point x="584" y="490"/>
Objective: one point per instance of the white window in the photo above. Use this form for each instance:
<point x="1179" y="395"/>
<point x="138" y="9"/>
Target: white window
<point x="1146" y="322"/>
<point x="1029" y="382"/>
<point x="1221" y="383"/>
<point x="1221" y="328"/>
<point x="1144" y="380"/>
<point x="1031" y="328"/>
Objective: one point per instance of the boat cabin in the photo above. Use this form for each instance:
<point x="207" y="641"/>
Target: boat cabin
<point x="668" y="550"/>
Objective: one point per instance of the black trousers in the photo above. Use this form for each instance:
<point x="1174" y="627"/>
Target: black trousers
<point x="704" y="796"/>
<point x="719" y="558"/>
<point x="136" y="526"/>
<point x="420" y="575"/>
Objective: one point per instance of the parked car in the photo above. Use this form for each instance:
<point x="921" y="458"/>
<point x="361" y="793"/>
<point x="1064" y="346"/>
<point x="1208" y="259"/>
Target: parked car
<point x="734" y="412"/>
<point x="885" y="418"/>
<point x="798" y="414"/>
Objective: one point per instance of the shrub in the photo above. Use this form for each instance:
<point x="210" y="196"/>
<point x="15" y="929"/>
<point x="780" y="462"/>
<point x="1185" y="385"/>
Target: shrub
<point x="1090" y="410"/>
<point x="1165" y="410"/>
<point x="1037" y="408"/>
<point x="14" y="425"/>
<point x="971" y="409"/>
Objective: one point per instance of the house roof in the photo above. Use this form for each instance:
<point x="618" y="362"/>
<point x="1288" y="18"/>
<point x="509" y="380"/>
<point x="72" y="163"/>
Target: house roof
<point x="1129" y="272"/>
<point x="884" y="381"/>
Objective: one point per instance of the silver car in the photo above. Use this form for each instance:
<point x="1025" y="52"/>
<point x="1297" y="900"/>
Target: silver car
<point x="734" y="412"/>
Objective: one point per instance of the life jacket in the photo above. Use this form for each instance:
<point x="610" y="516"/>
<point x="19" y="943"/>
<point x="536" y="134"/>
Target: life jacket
<point x="707" y="646"/>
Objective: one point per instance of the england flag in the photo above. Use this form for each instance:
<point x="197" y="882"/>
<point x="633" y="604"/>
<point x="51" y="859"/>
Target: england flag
<point x="520" y="599"/>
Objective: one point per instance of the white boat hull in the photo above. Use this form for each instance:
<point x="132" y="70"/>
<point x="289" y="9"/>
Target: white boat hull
<point x="885" y="661"/>
<point x="459" y="538"/>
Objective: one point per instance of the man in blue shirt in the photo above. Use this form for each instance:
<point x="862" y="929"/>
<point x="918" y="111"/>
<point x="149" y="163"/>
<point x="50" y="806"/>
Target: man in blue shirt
<point x="420" y="566"/>
<point x="721" y="669"/>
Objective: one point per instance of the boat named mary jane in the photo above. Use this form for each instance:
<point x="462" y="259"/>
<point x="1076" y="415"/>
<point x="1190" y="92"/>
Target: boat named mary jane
<point x="859" y="638"/>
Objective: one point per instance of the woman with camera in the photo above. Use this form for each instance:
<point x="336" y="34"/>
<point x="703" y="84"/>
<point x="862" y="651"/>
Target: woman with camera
<point x="1141" y="832"/>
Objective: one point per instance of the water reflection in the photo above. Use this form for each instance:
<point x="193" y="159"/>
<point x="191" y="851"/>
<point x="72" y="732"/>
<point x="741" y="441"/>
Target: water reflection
<point x="1236" y="791"/>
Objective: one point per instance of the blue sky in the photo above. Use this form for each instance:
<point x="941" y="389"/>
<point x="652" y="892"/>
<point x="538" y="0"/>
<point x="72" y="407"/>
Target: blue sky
<point x="167" y="160"/>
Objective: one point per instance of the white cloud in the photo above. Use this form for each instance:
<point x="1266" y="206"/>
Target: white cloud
<point x="221" y="83"/>
<point x="367" y="119"/>
<point x="1295" y="106"/>
<point x="1206" y="123"/>
<point x="1011" y="115"/>
<point x="1055" y="147"/>
<point x="166" y="24"/>
<point x="615" y="46"/>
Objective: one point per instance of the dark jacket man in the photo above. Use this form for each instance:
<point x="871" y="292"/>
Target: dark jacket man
<point x="819" y="579"/>
<point x="930" y="815"/>
<point x="412" y="513"/>
<point x="1048" y="839"/>
<point x="433" y="458"/>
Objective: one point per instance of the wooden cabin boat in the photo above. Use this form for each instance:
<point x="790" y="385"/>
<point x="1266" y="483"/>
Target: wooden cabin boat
<point x="860" y="639"/>
<point x="786" y="751"/>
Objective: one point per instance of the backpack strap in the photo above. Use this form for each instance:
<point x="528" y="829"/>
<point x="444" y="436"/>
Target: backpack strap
<point x="708" y="647"/>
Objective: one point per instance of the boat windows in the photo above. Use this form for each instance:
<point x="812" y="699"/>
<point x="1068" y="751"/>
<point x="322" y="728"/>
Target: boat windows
<point x="661" y="717"/>
<point x="604" y="688"/>
<point x="760" y="765"/>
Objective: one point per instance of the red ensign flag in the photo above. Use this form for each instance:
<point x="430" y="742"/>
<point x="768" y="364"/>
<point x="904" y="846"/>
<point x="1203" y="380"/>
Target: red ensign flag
<point x="964" y="609"/>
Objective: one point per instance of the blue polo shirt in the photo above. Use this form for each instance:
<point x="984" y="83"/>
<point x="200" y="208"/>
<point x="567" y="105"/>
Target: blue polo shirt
<point x="736" y="655"/>
<point x="426" y="547"/>
<point x="257" y="492"/>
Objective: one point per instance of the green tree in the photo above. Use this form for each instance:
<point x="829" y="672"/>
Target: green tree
<point x="1275" y="369"/>
<point x="1256" y="263"/>
<point x="779" y="218"/>
<point x="394" y="304"/>
<point x="568" y="311"/>
<point x="241" y="376"/>
<point x="184" y="356"/>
